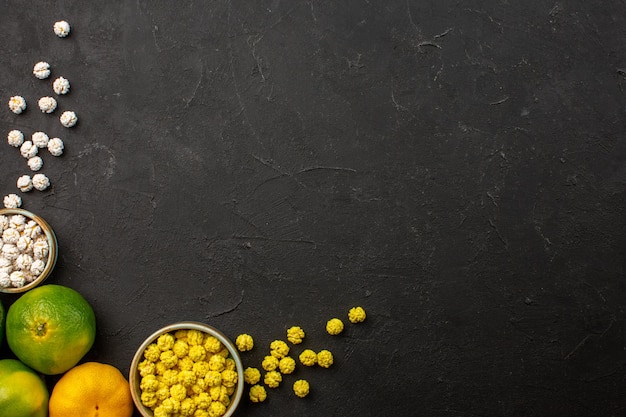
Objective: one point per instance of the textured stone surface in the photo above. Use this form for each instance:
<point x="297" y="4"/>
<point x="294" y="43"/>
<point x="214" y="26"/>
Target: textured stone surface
<point x="457" y="168"/>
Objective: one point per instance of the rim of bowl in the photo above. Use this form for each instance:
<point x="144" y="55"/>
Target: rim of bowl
<point x="134" y="379"/>
<point x="52" y="248"/>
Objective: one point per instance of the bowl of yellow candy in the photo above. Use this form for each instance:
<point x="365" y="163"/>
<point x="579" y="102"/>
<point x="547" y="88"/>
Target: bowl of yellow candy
<point x="188" y="369"/>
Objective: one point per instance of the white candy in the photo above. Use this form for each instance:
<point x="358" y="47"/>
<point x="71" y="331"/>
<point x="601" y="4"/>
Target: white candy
<point x="10" y="236"/>
<point x="28" y="149"/>
<point x="17" y="221"/>
<point x="35" y="163"/>
<point x="37" y="267"/>
<point x="55" y="147"/>
<point x="15" y="138"/>
<point x="68" y="118"/>
<point x="10" y="251"/>
<point x="18" y="279"/>
<point x="61" y="86"/>
<point x="40" y="139"/>
<point x="17" y="104"/>
<point x="25" y="183"/>
<point x="41" y="70"/>
<point x="5" y="280"/>
<point x="61" y="28"/>
<point x="24" y="262"/>
<point x="24" y="243"/>
<point x="12" y="201"/>
<point x="47" y="104"/>
<point x="40" y="248"/>
<point x="40" y="182"/>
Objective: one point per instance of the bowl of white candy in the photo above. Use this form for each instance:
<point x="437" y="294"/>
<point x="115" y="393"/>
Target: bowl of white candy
<point x="28" y="250"/>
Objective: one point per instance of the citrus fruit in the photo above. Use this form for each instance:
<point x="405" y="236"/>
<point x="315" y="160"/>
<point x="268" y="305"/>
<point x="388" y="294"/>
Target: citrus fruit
<point x="22" y="392"/>
<point x="91" y="389"/>
<point x="50" y="328"/>
<point x="1" y="323"/>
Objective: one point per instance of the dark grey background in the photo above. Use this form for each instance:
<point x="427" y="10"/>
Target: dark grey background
<point x="455" y="167"/>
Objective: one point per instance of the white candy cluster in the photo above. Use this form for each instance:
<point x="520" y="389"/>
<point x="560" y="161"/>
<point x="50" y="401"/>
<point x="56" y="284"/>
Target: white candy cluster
<point x="29" y="149"/>
<point x="24" y="251"/>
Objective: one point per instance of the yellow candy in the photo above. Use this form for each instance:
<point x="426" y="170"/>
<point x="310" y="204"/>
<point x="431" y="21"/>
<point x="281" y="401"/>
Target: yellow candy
<point x="287" y="365"/>
<point x="334" y="326"/>
<point x="301" y="388"/>
<point x="295" y="335"/>
<point x="244" y="342"/>
<point x="308" y="357"/>
<point x="258" y="394"/>
<point x="325" y="358"/>
<point x="356" y="315"/>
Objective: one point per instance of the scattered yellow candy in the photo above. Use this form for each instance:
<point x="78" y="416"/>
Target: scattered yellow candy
<point x="325" y="358"/>
<point x="301" y="388"/>
<point x="287" y="365"/>
<point x="334" y="326"/>
<point x="257" y="394"/>
<point x="251" y="376"/>
<point x="269" y="363"/>
<point x="279" y="349"/>
<point x="356" y="315"/>
<point x="244" y="342"/>
<point x="295" y="335"/>
<point x="273" y="379"/>
<point x="308" y="357"/>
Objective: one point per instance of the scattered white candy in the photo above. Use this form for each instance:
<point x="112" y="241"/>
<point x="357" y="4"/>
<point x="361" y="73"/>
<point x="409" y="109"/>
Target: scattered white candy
<point x="47" y="104"/>
<point x="41" y="70"/>
<point x="12" y="201"/>
<point x="28" y="149"/>
<point x="40" y="182"/>
<point x="61" y="86"/>
<point x="15" y="138"/>
<point x="40" y="139"/>
<point x="61" y="28"/>
<point x="55" y="146"/>
<point x="17" y="104"/>
<point x="68" y="118"/>
<point x="35" y="163"/>
<point x="25" y="183"/>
